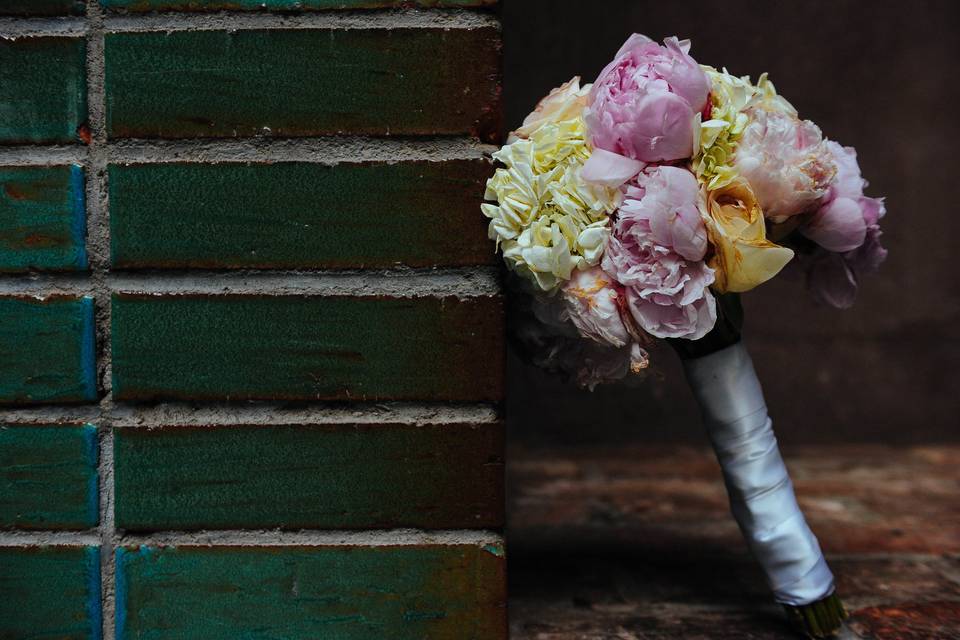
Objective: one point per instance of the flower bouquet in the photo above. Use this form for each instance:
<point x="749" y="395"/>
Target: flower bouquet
<point x="640" y="207"/>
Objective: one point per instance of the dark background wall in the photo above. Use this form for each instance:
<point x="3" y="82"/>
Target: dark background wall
<point x="877" y="75"/>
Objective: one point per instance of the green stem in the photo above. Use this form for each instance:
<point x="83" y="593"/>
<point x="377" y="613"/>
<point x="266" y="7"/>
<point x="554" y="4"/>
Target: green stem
<point x="820" y="619"/>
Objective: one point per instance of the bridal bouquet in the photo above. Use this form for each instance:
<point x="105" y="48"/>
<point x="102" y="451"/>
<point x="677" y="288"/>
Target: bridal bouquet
<point x="639" y="207"/>
<point x="630" y="205"/>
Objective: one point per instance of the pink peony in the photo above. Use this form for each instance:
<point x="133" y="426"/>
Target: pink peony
<point x="848" y="183"/>
<point x="643" y="104"/>
<point x="667" y="197"/>
<point x="594" y="303"/>
<point x="847" y="230"/>
<point x="656" y="253"/>
<point x="837" y="226"/>
<point x="784" y="160"/>
<point x="845" y="216"/>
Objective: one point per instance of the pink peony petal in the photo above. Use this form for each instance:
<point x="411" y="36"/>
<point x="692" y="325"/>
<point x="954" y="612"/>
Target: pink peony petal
<point x="610" y="169"/>
<point x="662" y="128"/>
<point x="635" y="41"/>
<point x="873" y="209"/>
<point x="838" y="226"/>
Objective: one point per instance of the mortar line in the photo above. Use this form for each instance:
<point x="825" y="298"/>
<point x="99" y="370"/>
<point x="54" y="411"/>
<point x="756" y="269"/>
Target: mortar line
<point x="185" y="415"/>
<point x="324" y="150"/>
<point x="240" y="20"/>
<point x="313" y="537"/>
<point x="25" y="27"/>
<point x="98" y="255"/>
<point x="451" y="18"/>
<point x="462" y="282"/>
<point x="14" y="415"/>
<point x="216" y="414"/>
<point x="89" y="538"/>
<point x="39" y="156"/>
<point x="257" y="538"/>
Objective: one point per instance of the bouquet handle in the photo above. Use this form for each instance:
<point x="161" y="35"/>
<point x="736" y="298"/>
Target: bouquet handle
<point x="761" y="494"/>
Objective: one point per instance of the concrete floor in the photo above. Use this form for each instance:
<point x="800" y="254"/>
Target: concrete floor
<point x="633" y="544"/>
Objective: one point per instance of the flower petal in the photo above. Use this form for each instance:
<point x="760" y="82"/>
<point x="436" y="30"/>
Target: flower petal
<point x="610" y="169"/>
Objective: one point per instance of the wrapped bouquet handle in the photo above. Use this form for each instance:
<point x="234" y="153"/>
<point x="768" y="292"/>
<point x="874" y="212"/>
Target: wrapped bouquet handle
<point x="725" y="384"/>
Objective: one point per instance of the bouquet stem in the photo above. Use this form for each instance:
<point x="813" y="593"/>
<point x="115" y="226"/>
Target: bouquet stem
<point x="762" y="500"/>
<point x="820" y="619"/>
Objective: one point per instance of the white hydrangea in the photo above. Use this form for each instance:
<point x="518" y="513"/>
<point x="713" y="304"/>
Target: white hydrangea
<point x="548" y="220"/>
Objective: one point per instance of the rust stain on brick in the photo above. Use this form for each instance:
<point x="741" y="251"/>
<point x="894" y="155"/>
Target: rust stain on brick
<point x="38" y="241"/>
<point x="18" y="192"/>
<point x="83" y="133"/>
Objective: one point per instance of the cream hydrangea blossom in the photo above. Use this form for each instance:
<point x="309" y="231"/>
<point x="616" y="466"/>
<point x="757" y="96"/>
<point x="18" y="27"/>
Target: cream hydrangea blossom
<point x="718" y="136"/>
<point x="547" y="219"/>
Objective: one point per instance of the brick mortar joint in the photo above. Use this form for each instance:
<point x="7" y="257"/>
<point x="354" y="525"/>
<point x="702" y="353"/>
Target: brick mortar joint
<point x="459" y="282"/>
<point x="321" y="150"/>
<point x="108" y="23"/>
<point x="259" y="538"/>
<point x="98" y="255"/>
<point x="133" y="416"/>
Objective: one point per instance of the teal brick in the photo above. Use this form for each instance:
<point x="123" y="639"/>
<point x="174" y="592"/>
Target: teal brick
<point x="43" y="89"/>
<point x="286" y="5"/>
<point x="42" y="7"/>
<point x="42" y="219"/>
<point x="344" y="592"/>
<point x="298" y="215"/>
<point x="50" y="593"/>
<point x="334" y="476"/>
<point x="47" y="350"/>
<point x="234" y="347"/>
<point x="303" y="82"/>
<point x="48" y="476"/>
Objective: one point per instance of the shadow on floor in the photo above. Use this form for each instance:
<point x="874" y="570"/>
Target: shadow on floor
<point x="634" y="544"/>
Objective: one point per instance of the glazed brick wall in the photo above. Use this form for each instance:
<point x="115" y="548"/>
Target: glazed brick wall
<point x="251" y="329"/>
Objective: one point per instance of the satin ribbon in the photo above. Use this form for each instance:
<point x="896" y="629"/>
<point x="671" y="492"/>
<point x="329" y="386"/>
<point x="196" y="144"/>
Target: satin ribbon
<point x="761" y="493"/>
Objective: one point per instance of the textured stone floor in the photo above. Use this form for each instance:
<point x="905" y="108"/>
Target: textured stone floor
<point x="637" y="544"/>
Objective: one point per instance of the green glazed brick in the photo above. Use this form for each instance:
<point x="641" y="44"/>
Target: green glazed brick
<point x="303" y="82"/>
<point x="50" y="592"/>
<point x="286" y="5"/>
<point x="42" y="219"/>
<point x="260" y="347"/>
<point x="336" y="476"/>
<point x="42" y="7"/>
<point x="48" y="476"/>
<point x="342" y="592"/>
<point x="298" y="215"/>
<point x="43" y="89"/>
<point x="47" y="350"/>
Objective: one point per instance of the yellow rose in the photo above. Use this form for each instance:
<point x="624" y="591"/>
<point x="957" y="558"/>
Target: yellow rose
<point x="742" y="255"/>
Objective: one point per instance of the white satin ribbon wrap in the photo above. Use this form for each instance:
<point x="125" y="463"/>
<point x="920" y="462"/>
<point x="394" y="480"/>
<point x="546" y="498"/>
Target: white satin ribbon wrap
<point x="760" y="490"/>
